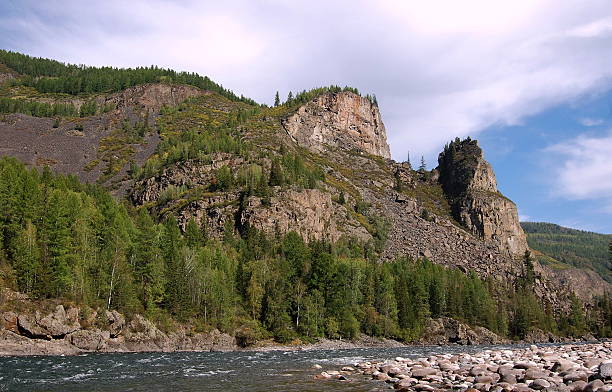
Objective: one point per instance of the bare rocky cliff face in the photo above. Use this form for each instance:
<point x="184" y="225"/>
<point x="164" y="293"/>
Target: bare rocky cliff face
<point x="471" y="188"/>
<point x="343" y="120"/>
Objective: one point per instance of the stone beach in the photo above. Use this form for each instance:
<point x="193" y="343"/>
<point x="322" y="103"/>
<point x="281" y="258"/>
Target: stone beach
<point x="572" y="367"/>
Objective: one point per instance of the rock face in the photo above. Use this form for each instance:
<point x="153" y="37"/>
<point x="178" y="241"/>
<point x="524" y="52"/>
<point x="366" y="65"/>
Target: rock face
<point x="470" y="186"/>
<point x="309" y="212"/>
<point x="343" y="120"/>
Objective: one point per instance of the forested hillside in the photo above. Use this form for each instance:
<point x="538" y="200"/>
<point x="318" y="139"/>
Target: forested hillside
<point x="62" y="239"/>
<point x="50" y="76"/>
<point x="194" y="237"/>
<point x="582" y="249"/>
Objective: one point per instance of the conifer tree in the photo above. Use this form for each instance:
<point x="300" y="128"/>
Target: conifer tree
<point x="277" y="101"/>
<point x="423" y="166"/>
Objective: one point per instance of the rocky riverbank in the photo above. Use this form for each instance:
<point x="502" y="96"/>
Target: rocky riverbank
<point x="29" y="327"/>
<point x="564" y="368"/>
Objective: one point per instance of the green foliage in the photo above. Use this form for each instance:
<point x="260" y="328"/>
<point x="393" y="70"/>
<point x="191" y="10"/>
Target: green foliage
<point x="305" y="96"/>
<point x="50" y="76"/>
<point x="37" y="109"/>
<point x="62" y="239"/>
<point x="581" y="249"/>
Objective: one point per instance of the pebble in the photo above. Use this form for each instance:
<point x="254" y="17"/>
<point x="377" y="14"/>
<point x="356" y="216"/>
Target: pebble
<point x="564" y="368"/>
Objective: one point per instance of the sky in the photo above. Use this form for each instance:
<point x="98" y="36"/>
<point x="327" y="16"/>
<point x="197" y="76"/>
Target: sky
<point x="530" y="79"/>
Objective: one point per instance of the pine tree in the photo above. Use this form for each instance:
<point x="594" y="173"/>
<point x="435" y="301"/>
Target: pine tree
<point x="276" y="174"/>
<point x="26" y="258"/>
<point x="277" y="101"/>
<point x="290" y="97"/>
<point x="423" y="166"/>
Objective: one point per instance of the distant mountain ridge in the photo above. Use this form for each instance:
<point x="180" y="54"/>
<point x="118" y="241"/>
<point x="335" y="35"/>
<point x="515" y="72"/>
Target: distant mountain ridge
<point x="577" y="248"/>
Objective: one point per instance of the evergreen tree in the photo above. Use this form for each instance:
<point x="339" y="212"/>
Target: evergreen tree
<point x="276" y="174"/>
<point x="423" y="165"/>
<point x="277" y="101"/>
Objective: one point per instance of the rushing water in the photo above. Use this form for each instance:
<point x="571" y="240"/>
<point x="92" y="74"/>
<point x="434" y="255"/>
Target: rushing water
<point x="200" y="371"/>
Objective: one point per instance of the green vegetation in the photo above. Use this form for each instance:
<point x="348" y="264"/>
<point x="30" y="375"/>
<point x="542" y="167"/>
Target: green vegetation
<point x="581" y="249"/>
<point x="37" y="109"/>
<point x="50" y="76"/>
<point x="305" y="96"/>
<point x="62" y="239"/>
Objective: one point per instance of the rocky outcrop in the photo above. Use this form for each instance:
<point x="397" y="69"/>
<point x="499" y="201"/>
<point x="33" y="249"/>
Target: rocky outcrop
<point x="470" y="186"/>
<point x="343" y="120"/>
<point x="51" y="326"/>
<point x="64" y="332"/>
<point x="309" y="212"/>
<point x="446" y="330"/>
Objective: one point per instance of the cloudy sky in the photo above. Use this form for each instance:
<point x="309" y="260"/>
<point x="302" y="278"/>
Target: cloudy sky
<point x="531" y="79"/>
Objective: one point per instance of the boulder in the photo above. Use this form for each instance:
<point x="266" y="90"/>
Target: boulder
<point x="28" y="326"/>
<point x="94" y="340"/>
<point x="423" y="372"/>
<point x="539" y="384"/>
<point x="605" y="369"/>
<point x="115" y="322"/>
<point x="60" y="323"/>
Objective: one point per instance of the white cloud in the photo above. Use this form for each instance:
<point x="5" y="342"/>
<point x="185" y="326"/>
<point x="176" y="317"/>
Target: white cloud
<point x="439" y="68"/>
<point x="591" y="122"/>
<point x="583" y="169"/>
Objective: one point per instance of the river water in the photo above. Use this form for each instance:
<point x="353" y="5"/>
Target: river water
<point x="202" y="371"/>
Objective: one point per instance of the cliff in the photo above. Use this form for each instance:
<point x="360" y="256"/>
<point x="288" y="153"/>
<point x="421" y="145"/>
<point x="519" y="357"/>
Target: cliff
<point x="342" y="120"/>
<point x="471" y="188"/>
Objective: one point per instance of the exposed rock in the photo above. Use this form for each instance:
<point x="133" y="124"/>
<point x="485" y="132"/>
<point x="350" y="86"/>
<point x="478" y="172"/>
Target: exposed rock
<point x="470" y="185"/>
<point x="95" y="340"/>
<point x="446" y="330"/>
<point x="29" y="327"/>
<point x="605" y="369"/>
<point x="8" y="321"/>
<point x="343" y="120"/>
<point x="116" y="322"/>
<point x="481" y="371"/>
<point x="309" y="212"/>
<point x="60" y="323"/>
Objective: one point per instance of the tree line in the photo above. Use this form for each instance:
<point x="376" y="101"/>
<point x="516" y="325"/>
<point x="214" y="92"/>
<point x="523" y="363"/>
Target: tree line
<point x="582" y="249"/>
<point x="51" y="76"/>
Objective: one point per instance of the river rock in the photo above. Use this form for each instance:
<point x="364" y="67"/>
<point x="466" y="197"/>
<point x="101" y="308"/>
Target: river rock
<point x="423" y="372"/>
<point x="605" y="369"/>
<point x="539" y="384"/>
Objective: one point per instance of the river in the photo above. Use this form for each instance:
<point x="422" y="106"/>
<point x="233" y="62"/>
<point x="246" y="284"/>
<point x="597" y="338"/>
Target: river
<point x="201" y="371"/>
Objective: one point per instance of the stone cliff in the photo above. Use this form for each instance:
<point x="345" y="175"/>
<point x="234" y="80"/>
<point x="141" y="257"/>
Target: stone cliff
<point x="470" y="186"/>
<point x="343" y="120"/>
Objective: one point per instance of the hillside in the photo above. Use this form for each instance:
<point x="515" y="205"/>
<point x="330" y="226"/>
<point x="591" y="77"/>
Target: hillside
<point x="289" y="221"/>
<point x="582" y="249"/>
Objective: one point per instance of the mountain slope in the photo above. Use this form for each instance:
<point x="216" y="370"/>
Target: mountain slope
<point x="292" y="218"/>
<point x="582" y="249"/>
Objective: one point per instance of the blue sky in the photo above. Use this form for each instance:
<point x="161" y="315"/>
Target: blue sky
<point x="530" y="79"/>
<point x="556" y="165"/>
